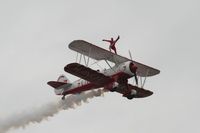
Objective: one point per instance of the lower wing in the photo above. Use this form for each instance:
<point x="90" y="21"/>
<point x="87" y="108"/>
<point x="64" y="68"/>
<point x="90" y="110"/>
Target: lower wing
<point x="88" y="74"/>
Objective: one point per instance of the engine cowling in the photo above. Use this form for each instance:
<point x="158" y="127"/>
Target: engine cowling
<point x="128" y="67"/>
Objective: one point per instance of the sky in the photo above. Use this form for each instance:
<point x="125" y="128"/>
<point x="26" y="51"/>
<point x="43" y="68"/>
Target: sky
<point x="34" y="38"/>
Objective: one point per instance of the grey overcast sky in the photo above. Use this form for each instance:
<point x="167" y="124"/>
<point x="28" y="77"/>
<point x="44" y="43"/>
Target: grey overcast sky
<point x="34" y="38"/>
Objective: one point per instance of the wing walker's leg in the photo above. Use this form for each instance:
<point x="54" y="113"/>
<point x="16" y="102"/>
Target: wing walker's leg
<point x="114" y="48"/>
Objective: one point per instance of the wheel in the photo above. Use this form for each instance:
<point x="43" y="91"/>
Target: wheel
<point x="63" y="98"/>
<point x="113" y="89"/>
<point x="130" y="97"/>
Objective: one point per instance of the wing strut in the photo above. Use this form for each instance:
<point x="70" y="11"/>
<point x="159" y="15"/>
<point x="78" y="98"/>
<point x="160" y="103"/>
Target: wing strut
<point x="109" y="65"/>
<point x="143" y="83"/>
<point x="88" y="57"/>
<point x="84" y="60"/>
<point x="88" y="61"/>
<point x="80" y="59"/>
<point x="76" y="56"/>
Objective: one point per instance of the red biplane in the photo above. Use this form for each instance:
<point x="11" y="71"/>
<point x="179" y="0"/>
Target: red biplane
<point x="114" y="79"/>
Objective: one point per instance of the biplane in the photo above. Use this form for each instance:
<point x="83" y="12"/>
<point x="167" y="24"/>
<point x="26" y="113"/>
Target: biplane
<point x="114" y="79"/>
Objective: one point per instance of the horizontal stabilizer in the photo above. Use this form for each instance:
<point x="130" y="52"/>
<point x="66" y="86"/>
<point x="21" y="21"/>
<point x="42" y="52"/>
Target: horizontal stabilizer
<point x="56" y="84"/>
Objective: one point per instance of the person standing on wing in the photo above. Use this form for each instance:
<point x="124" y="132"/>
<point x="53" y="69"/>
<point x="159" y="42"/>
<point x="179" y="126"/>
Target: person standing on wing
<point x="112" y="43"/>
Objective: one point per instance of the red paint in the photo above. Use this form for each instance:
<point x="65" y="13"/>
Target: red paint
<point x="90" y="85"/>
<point x="80" y="89"/>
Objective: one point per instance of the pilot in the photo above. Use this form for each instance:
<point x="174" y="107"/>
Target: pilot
<point x="112" y="44"/>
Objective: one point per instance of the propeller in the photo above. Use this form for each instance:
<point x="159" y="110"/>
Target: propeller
<point x="133" y="68"/>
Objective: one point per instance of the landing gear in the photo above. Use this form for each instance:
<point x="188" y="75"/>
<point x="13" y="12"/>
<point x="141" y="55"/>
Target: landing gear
<point x="130" y="97"/>
<point x="113" y="89"/>
<point x="122" y="80"/>
<point x="63" y="98"/>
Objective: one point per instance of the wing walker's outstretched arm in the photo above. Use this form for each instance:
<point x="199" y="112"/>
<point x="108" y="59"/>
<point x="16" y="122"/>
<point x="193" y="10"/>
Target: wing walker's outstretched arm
<point x="117" y="39"/>
<point x="106" y="40"/>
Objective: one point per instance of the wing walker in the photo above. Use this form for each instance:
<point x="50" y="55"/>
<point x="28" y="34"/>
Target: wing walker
<point x="114" y="79"/>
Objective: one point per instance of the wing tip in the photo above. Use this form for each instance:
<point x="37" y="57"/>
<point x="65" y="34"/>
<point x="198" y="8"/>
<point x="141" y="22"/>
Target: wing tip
<point x="74" y="42"/>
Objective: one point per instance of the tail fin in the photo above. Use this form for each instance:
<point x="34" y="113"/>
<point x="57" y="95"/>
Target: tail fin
<point x="62" y="80"/>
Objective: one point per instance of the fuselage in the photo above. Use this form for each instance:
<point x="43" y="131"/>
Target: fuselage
<point x="80" y="85"/>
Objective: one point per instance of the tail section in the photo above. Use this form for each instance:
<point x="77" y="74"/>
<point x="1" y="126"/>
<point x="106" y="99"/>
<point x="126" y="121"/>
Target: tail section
<point x="55" y="84"/>
<point x="63" y="79"/>
<point x="60" y="85"/>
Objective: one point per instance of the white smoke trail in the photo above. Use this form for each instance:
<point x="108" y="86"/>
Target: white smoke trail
<point x="44" y="112"/>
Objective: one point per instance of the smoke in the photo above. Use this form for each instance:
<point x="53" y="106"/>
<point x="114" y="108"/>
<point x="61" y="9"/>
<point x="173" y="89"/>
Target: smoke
<point x="44" y="112"/>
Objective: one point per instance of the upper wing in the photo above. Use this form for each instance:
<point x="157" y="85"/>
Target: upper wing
<point x="95" y="52"/>
<point x="88" y="74"/>
<point x="98" y="53"/>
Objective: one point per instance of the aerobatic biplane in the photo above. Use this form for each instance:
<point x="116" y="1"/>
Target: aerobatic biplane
<point x="114" y="79"/>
